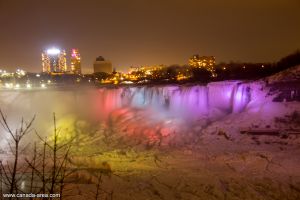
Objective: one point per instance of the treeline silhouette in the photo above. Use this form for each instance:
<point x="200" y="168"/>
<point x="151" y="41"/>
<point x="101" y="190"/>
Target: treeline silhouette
<point x="225" y="71"/>
<point x="238" y="70"/>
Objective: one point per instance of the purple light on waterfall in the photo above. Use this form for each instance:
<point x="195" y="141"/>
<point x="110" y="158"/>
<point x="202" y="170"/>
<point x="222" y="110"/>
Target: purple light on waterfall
<point x="241" y="98"/>
<point x="178" y="102"/>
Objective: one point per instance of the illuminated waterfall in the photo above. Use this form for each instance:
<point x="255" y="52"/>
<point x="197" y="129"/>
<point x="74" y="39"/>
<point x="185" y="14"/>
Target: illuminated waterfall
<point x="185" y="102"/>
<point x="188" y="102"/>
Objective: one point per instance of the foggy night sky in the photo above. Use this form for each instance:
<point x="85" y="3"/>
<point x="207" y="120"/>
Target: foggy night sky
<point x="140" y="32"/>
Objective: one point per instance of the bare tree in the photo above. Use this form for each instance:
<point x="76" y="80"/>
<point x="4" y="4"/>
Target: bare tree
<point x="98" y="185"/>
<point x="47" y="168"/>
<point x="31" y="189"/>
<point x="99" y="190"/>
<point x="10" y="174"/>
<point x="52" y="170"/>
<point x="1" y="197"/>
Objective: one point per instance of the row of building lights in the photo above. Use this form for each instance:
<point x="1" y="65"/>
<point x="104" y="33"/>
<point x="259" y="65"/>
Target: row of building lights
<point x="18" y="86"/>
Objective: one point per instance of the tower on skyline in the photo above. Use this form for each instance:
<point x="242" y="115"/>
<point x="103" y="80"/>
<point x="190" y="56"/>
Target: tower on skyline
<point x="54" y="61"/>
<point x="102" y="65"/>
<point x="75" y="62"/>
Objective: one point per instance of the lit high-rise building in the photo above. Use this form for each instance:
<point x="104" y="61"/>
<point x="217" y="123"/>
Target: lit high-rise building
<point x="75" y="62"/>
<point x="54" y="61"/>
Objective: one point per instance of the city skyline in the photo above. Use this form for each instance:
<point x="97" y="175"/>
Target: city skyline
<point x="153" y="32"/>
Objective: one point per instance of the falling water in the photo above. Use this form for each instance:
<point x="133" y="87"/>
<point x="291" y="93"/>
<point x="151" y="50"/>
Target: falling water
<point x="176" y="101"/>
<point x="187" y="102"/>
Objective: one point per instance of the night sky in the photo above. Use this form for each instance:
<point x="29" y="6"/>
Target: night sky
<point x="139" y="32"/>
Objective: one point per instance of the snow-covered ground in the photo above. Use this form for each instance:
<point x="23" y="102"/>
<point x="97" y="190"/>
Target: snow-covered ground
<point x="291" y="74"/>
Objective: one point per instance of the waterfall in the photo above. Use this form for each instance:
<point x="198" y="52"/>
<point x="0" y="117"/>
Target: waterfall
<point x="241" y="97"/>
<point x="187" y="102"/>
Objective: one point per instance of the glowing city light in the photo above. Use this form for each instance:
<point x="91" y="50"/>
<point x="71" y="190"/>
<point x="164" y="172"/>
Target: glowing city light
<point x="53" y="51"/>
<point x="8" y="85"/>
<point x="20" y="72"/>
<point x="43" y="85"/>
<point x="28" y="86"/>
<point x="75" y="62"/>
